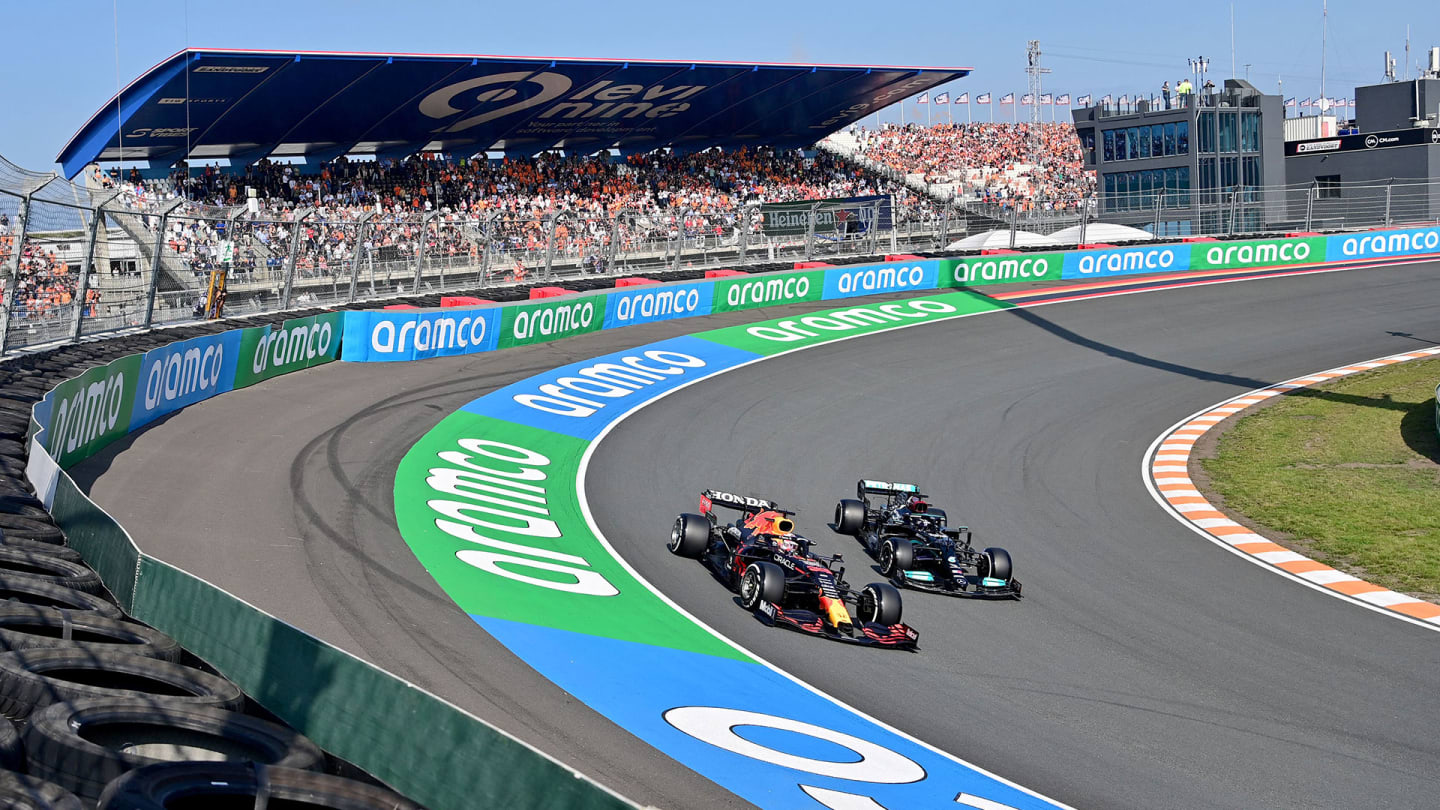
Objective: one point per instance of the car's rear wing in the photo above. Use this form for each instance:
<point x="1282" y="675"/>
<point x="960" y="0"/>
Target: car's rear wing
<point x="711" y="498"/>
<point x="868" y="487"/>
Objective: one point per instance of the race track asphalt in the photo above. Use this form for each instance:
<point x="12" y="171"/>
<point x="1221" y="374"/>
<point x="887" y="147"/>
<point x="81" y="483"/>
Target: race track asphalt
<point x="1146" y="668"/>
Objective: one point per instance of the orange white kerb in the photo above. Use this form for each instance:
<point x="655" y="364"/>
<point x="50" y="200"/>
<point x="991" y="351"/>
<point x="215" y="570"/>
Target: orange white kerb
<point x="1167" y="472"/>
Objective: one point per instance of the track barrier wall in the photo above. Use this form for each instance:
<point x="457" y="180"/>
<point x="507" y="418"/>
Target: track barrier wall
<point x="385" y="725"/>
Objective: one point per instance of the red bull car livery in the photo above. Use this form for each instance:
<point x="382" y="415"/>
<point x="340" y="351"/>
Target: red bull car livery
<point x="781" y="579"/>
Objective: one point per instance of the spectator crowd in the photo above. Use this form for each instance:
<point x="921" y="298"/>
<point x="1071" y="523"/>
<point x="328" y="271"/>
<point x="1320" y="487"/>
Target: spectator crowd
<point x="1030" y="166"/>
<point x="435" y="209"/>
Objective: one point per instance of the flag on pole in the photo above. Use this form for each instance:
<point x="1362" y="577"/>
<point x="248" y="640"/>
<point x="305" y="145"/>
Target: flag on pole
<point x="983" y="98"/>
<point x="1105" y="99"/>
<point x="924" y="98"/>
<point x="963" y="98"/>
<point x="1083" y="101"/>
<point x="943" y="98"/>
<point x="1028" y="98"/>
<point x="1306" y="103"/>
<point x="1047" y="98"/>
<point x="1154" y="101"/>
<point x="1352" y="102"/>
<point x="1008" y="98"/>
<point x="1290" y="102"/>
<point x="1124" y="99"/>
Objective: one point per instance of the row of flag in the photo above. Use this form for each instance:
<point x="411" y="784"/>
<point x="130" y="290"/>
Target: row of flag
<point x="1008" y="98"/>
<point x="1085" y="101"/>
<point x="1334" y="102"/>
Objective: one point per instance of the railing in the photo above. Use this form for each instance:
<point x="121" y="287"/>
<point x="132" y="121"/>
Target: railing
<point x="93" y="261"/>
<point x="97" y="260"/>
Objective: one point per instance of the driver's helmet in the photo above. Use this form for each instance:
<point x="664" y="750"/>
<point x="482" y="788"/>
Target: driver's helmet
<point x="917" y="505"/>
<point x="778" y="527"/>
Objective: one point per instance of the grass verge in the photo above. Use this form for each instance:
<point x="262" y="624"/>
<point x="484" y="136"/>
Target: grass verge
<point x="1347" y="473"/>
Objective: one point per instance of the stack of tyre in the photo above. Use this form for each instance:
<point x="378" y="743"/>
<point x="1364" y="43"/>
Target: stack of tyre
<point x="100" y="711"/>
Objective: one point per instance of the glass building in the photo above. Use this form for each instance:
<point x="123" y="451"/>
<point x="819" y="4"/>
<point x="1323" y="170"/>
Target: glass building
<point x="1198" y="167"/>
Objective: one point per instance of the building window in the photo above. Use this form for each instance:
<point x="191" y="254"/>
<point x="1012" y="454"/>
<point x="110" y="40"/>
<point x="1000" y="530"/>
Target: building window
<point x="1249" y="132"/>
<point x="1109" y="146"/>
<point x="1143" y="136"/>
<point x="1087" y="143"/>
<point x="1110" y="186"/>
<point x="1182" y="183"/>
<point x="1133" y="139"/>
<point x="1157" y="140"/>
<point x="1169" y="139"/>
<point x="1229" y="172"/>
<point x="1327" y="187"/>
<point x="1182" y="138"/>
<point x="1206" y="135"/>
<point x="1250" y="168"/>
<point x="1228" y="142"/>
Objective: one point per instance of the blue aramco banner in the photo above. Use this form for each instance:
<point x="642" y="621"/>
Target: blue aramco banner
<point x="388" y="335"/>
<point x="870" y="279"/>
<point x="658" y="303"/>
<point x="1126" y="261"/>
<point x="1377" y="244"/>
<point x="183" y="373"/>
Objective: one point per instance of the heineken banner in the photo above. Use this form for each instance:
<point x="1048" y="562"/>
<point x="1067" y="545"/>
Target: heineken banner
<point x="842" y="215"/>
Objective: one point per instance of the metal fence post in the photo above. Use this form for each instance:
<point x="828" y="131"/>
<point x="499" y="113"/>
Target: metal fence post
<point x="1389" y="186"/>
<point x="810" y="231"/>
<point x="360" y="233"/>
<point x="295" y="228"/>
<point x="742" y="227"/>
<point x="12" y="268"/>
<point x="1014" y="225"/>
<point x="155" y="261"/>
<point x="485" y="231"/>
<point x="613" y="250"/>
<point x="944" y="235"/>
<point x="82" y="281"/>
<point x="1310" y="202"/>
<point x="420" y="251"/>
<point x="1158" y="205"/>
<point x="1084" y="221"/>
<point x="875" y="227"/>
<point x="552" y="221"/>
<point x="1234" y="208"/>
<point x="679" y="239"/>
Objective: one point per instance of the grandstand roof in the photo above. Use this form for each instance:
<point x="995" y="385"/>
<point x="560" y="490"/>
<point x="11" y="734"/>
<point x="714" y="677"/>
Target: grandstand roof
<point x="248" y="105"/>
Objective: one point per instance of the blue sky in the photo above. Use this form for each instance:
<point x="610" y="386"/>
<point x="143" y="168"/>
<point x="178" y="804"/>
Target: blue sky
<point x="60" y="59"/>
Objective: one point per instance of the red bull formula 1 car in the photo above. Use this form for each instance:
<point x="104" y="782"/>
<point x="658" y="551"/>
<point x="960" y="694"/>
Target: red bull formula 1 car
<point x="917" y="549"/>
<point x="781" y="579"/>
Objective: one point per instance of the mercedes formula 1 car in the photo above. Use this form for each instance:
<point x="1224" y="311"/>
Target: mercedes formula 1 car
<point x="781" y="579"/>
<point x="915" y="547"/>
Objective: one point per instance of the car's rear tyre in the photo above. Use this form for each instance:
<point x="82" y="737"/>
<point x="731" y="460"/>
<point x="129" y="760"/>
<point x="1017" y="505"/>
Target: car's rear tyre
<point x="995" y="563"/>
<point x="896" y="555"/>
<point x="690" y="536"/>
<point x="849" y="516"/>
<point x="879" y="603"/>
<point x="762" y="582"/>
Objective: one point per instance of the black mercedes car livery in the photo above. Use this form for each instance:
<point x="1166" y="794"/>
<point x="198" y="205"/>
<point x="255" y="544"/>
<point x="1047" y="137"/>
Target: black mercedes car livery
<point x="917" y="549"/>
